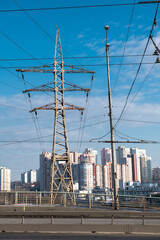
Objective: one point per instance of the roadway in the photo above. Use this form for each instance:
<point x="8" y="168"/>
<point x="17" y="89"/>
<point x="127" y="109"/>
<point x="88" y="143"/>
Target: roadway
<point x="21" y="236"/>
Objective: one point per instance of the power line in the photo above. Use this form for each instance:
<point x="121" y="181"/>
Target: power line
<point x="77" y="7"/>
<point x="82" y="57"/>
<point x="65" y="8"/>
<point x="16" y="108"/>
<point x="42" y="29"/>
<point x="87" y="65"/>
<point x="154" y="23"/>
<point x="32" y="139"/>
<point x="138" y="121"/>
<point x="124" y="48"/>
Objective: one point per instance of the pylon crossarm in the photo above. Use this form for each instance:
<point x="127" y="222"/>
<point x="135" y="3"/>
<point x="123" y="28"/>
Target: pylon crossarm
<point x="50" y="106"/>
<point x="76" y="69"/>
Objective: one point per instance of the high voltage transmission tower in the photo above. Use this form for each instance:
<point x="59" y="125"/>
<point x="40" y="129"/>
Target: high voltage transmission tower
<point x="61" y="175"/>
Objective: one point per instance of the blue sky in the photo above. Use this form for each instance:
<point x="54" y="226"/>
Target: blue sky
<point x="82" y="35"/>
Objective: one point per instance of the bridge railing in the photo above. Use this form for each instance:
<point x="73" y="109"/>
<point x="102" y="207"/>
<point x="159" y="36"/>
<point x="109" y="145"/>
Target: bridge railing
<point x="90" y="200"/>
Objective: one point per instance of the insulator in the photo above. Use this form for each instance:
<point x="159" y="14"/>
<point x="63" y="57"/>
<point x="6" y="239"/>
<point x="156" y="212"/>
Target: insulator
<point x="29" y="95"/>
<point x="155" y="22"/>
<point x="81" y="113"/>
<point x="36" y="113"/>
<point x="157" y="60"/>
<point x="22" y="76"/>
<point x="92" y="77"/>
<point x="156" y="52"/>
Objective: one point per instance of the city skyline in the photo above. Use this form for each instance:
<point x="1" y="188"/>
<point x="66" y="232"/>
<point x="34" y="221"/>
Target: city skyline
<point x="141" y="120"/>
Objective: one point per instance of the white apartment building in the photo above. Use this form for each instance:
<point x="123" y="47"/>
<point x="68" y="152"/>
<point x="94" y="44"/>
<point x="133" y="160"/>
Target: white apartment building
<point x="98" y="171"/>
<point x="32" y="176"/>
<point x="5" y="179"/>
<point x="107" y="176"/>
<point x="86" y="176"/>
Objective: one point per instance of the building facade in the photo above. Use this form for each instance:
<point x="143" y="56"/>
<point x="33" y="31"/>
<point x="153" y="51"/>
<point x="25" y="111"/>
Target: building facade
<point x="5" y="179"/>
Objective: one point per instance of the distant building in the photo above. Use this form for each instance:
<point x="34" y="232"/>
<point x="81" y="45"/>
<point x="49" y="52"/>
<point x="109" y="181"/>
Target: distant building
<point x="107" y="176"/>
<point x="74" y="157"/>
<point x="86" y="176"/>
<point x="45" y="170"/>
<point x="32" y="176"/>
<point x="106" y="156"/>
<point x="140" y="189"/>
<point x="98" y="176"/>
<point x="89" y="156"/>
<point x="24" y="177"/>
<point x="5" y="179"/>
<point x="156" y="175"/>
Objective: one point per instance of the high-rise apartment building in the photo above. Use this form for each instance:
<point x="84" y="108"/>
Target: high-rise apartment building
<point x="74" y="157"/>
<point x="106" y="156"/>
<point x="89" y="156"/>
<point x="45" y="170"/>
<point x="86" y="176"/>
<point x="146" y="170"/>
<point x="5" y="179"/>
<point x="24" y="177"/>
<point x="107" y="176"/>
<point x="98" y="175"/>
<point x="156" y="175"/>
<point x="32" y="176"/>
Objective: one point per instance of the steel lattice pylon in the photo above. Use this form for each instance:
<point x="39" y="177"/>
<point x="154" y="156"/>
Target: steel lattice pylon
<point x="61" y="174"/>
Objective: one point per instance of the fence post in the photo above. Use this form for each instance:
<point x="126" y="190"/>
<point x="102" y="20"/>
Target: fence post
<point x="112" y="203"/>
<point x="40" y="198"/>
<point x="112" y="220"/>
<point x="64" y="199"/>
<point x="89" y="201"/>
<point x="51" y="198"/>
<point x="81" y="219"/>
<point x="144" y="204"/>
<point x="16" y="198"/>
<point x="52" y="220"/>
<point x="22" y="220"/>
<point x="143" y="221"/>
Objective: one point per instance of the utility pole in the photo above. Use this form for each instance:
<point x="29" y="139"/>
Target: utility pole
<point x="114" y="172"/>
<point x="61" y="179"/>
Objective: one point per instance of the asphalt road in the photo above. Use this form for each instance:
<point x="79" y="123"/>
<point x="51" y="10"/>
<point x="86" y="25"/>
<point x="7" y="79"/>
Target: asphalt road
<point x="74" y="237"/>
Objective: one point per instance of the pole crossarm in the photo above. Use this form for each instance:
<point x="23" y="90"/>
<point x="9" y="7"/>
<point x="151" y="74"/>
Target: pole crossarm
<point x="51" y="106"/>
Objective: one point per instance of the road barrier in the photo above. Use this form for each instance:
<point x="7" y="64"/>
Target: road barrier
<point x="89" y="200"/>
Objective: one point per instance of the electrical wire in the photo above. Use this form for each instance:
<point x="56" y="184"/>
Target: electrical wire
<point x="32" y="139"/>
<point x="16" y="108"/>
<point x="77" y="7"/>
<point x="138" y="67"/>
<point x="82" y="57"/>
<point x="43" y="30"/>
<point x="88" y="65"/>
<point x="86" y="111"/>
<point x="65" y="8"/>
<point x="138" y="121"/>
<point x="124" y="48"/>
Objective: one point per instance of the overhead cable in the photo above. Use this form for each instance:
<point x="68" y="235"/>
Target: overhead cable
<point x="77" y="7"/>
<point x="124" y="48"/>
<point x="154" y="23"/>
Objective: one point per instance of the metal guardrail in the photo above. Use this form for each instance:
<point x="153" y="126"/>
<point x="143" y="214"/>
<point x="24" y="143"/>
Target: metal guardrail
<point x="90" y="200"/>
<point x="81" y="215"/>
